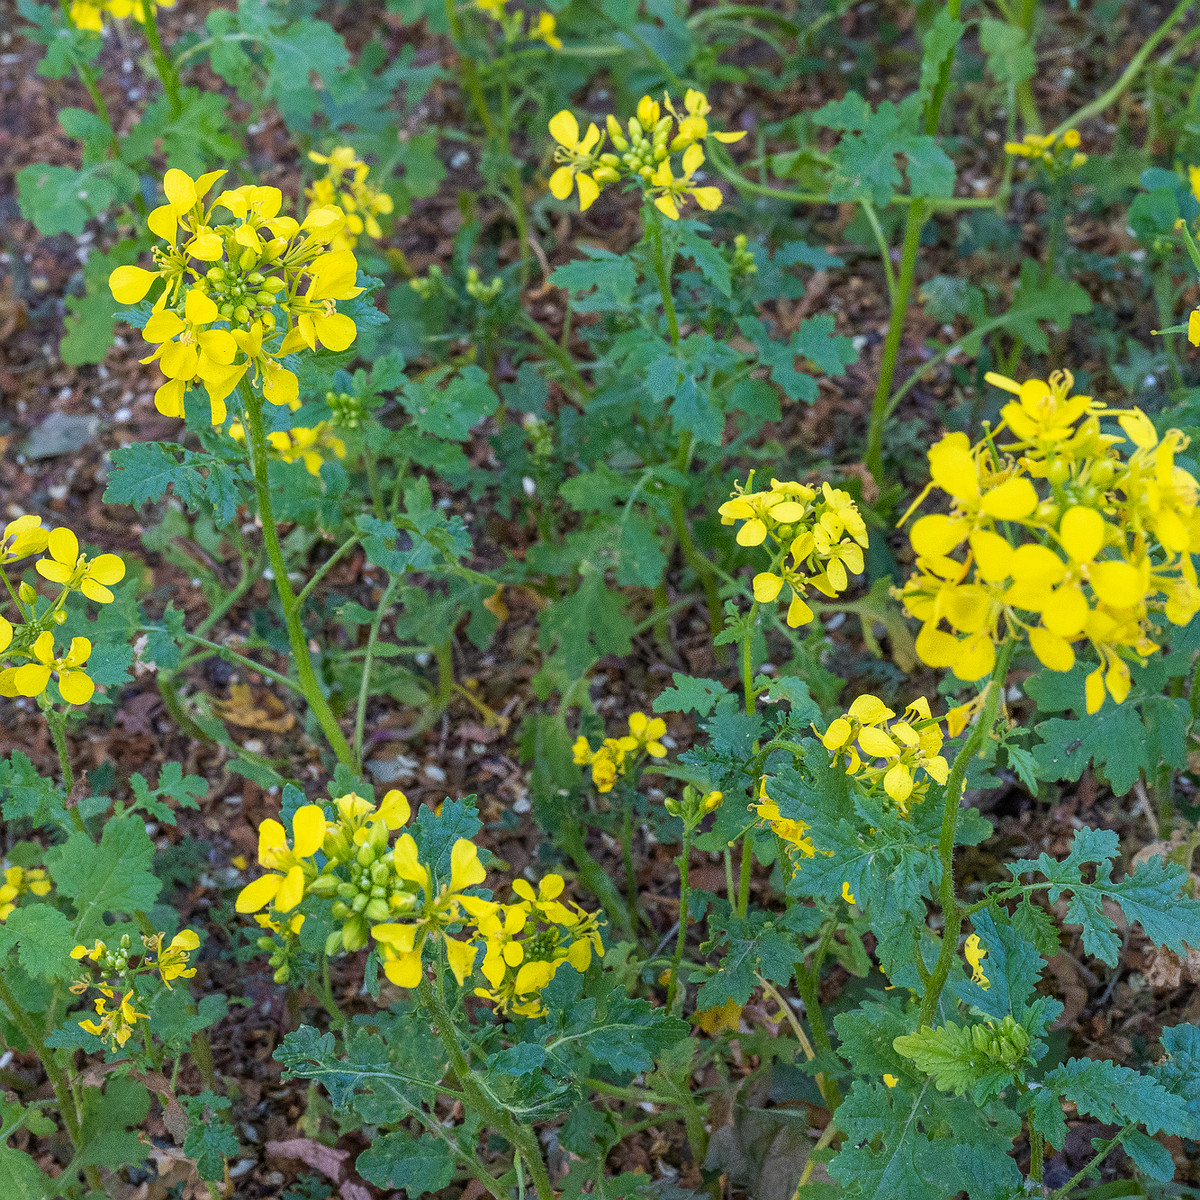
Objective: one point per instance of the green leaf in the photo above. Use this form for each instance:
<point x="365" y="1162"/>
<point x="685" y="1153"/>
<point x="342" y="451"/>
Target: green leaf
<point x="172" y="785"/>
<point x="1009" y="50"/>
<point x="1012" y="968"/>
<point x="110" y="1120"/>
<point x="28" y="796"/>
<point x="144" y="470"/>
<point x="757" y="944"/>
<point x="452" y="411"/>
<point x="44" y="940"/>
<point x="1113" y="738"/>
<point x="938" y="44"/>
<point x="110" y="876"/>
<point x="63" y="200"/>
<point x="208" y="1144"/>
<point x="982" y="1059"/>
<point x="399" y="1160"/>
<point x="20" y="1176"/>
<point x="587" y="624"/>
<point x="1153" y="895"/>
<point x="1149" y="1156"/>
<point x="1117" y="1095"/>
<point x="1179" y="1072"/>
<point x="689" y="694"/>
<point x="912" y="1143"/>
<point x="611" y="275"/>
<point x="624" y="1034"/>
<point x="708" y="258"/>
<point x="436" y="832"/>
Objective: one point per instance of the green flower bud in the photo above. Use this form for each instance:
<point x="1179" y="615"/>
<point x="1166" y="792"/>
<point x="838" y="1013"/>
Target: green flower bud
<point x="333" y="943"/>
<point x="354" y="934"/>
<point x="377" y="910"/>
<point x="325" y="886"/>
<point x="241" y="314"/>
<point x="360" y="902"/>
<point x="255" y="278"/>
<point x="282" y="975"/>
<point x="340" y="910"/>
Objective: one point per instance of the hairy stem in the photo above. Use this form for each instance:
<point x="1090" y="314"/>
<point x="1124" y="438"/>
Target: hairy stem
<point x="681" y="937"/>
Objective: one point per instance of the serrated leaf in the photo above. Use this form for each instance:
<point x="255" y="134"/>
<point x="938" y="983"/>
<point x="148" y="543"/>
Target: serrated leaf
<point x="44" y="940"/>
<point x="1117" y="1095"/>
<point x="689" y="694"/>
<point x="112" y="875"/>
<point x="418" y="1165"/>
<point x="20" y="1176"/>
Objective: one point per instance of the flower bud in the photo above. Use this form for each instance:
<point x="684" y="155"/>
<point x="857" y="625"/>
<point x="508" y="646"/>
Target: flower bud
<point x="333" y="943"/>
<point x="354" y="934"/>
<point x="60" y="616"/>
<point x="27" y="592"/>
<point x="377" y="910"/>
<point x="606" y="175"/>
<point x="615" y="133"/>
<point x="282" y="975"/>
<point x="325" y="886"/>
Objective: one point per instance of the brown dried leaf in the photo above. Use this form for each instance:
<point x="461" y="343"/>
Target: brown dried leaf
<point x="320" y="1157"/>
<point x="255" y="710"/>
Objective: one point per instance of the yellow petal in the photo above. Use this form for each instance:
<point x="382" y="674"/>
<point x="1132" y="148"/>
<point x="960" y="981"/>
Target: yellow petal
<point x="766" y="587"/>
<point x="1118" y="584"/>
<point x="992" y="554"/>
<point x="199" y="308"/>
<point x="953" y="468"/>
<point x="308" y="830"/>
<point x="1013" y="500"/>
<point x="877" y="744"/>
<point x="1052" y="650"/>
<point x="163" y="223"/>
<point x="179" y="190"/>
<point x="291" y="891"/>
<point x="258" y="893"/>
<point x="561" y="183"/>
<point x="589" y="189"/>
<point x="564" y="129"/>
<point x="130" y="284"/>
<point x="461" y="957"/>
<point x="1081" y="533"/>
<point x="977" y="657"/>
<point x="465" y="868"/>
<point x="1066" y="611"/>
<point x="75" y="687"/>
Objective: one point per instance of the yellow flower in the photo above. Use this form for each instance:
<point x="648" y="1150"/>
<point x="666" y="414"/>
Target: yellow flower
<point x="644" y="734"/>
<point x="668" y="190"/>
<point x="577" y="158"/>
<point x="18" y="882"/>
<point x="907" y="746"/>
<point x="890" y="1080"/>
<point x="86" y="15"/>
<point x="975" y="954"/>
<point x="279" y="385"/>
<point x="23" y="537"/>
<point x="70" y="568"/>
<point x="331" y="278"/>
<point x="288" y="867"/>
<point x="306" y="445"/>
<point x="32" y="678"/>
<point x="790" y="831"/>
<point x="694" y="126"/>
<point x="115" y="1024"/>
<point x="401" y="944"/>
<point x="173" y="961"/>
<point x="187" y="351"/>
<point x="543" y="30"/>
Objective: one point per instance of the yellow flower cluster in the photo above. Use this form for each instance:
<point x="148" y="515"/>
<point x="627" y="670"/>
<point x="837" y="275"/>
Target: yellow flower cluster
<point x="213" y="324"/>
<point x="90" y="14"/>
<point x="878" y="754"/>
<point x="312" y="446"/>
<point x="383" y="891"/>
<point x="527" y="941"/>
<point x="18" y="882"/>
<point x="1057" y="153"/>
<point x="117" y="1018"/>
<point x="823" y="534"/>
<point x="1059" y="533"/>
<point x="345" y="185"/>
<point x="31" y="642"/>
<point x="542" y="28"/>
<point x="642" y="151"/>
<point x="616" y="755"/>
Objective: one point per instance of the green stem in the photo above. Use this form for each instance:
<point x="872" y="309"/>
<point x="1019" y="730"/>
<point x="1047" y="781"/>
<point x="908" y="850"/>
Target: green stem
<point x="918" y="213"/>
<point x="743" y="895"/>
<point x="885" y="257"/>
<point x="681" y="937"/>
<point x="523" y="1140"/>
<point x="364" y="688"/>
<point x="57" y="723"/>
<point x="1136" y="63"/>
<point x="1025" y="102"/>
<point x="1037" y="1154"/>
<point x="326" y="566"/>
<point x="58" y="1081"/>
<point x="243" y="660"/>
<point x="627" y="856"/>
<point x="1090" y="1166"/>
<point x="306" y="676"/>
<point x="952" y="912"/>
<point x="164" y="66"/>
<point x="914" y="224"/>
<point x="372" y="468"/>
<point x="662" y="269"/>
